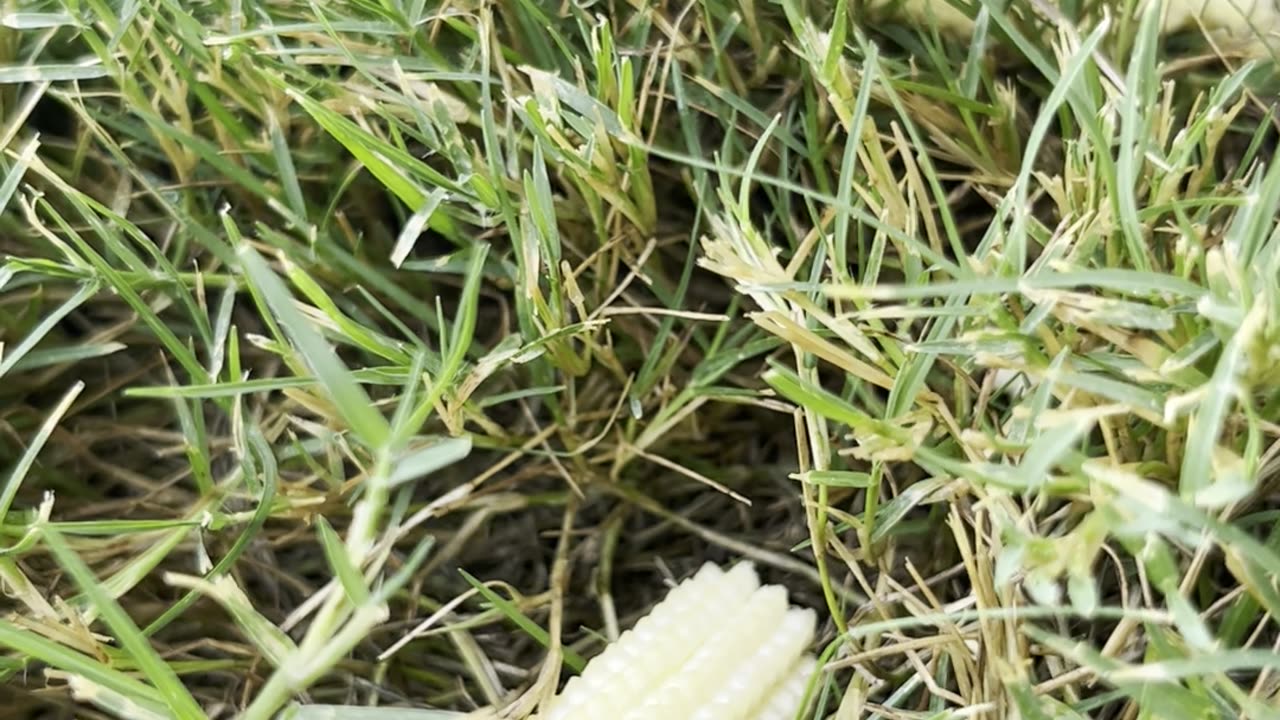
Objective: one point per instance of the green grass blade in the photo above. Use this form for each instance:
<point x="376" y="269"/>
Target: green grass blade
<point x="350" y="400"/>
<point x="522" y="621"/>
<point x="58" y="656"/>
<point x="28" y="458"/>
<point x="176" y="697"/>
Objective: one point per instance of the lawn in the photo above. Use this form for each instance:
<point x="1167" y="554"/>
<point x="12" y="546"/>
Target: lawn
<point x="399" y="355"/>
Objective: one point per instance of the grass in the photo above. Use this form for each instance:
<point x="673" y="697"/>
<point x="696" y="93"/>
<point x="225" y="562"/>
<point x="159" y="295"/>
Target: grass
<point x="382" y="359"/>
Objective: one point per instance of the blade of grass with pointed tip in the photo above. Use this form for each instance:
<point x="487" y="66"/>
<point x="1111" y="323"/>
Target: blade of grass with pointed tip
<point x="402" y="576"/>
<point x="1205" y="426"/>
<point x="350" y="400"/>
<point x="1143" y="78"/>
<point x="836" y="478"/>
<point x="15" y="355"/>
<point x="512" y="613"/>
<point x="14" y="174"/>
<point x="426" y="460"/>
<point x="285" y="168"/>
<point x="416" y="224"/>
<point x="28" y="458"/>
<point x="340" y="562"/>
<point x="67" y="356"/>
<point x="460" y="338"/>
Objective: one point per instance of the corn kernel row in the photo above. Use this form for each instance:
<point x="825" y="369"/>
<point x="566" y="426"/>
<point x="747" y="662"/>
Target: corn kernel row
<point x="718" y="647"/>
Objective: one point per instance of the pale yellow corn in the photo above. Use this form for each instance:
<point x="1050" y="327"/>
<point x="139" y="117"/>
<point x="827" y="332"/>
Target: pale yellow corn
<point x="718" y="647"/>
<point x="785" y="697"/>
<point x="749" y="683"/>
<point x="1240" y="18"/>
<point x="946" y="15"/>
<point x="1257" y="21"/>
<point x="642" y="657"/>
<point x="693" y="683"/>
